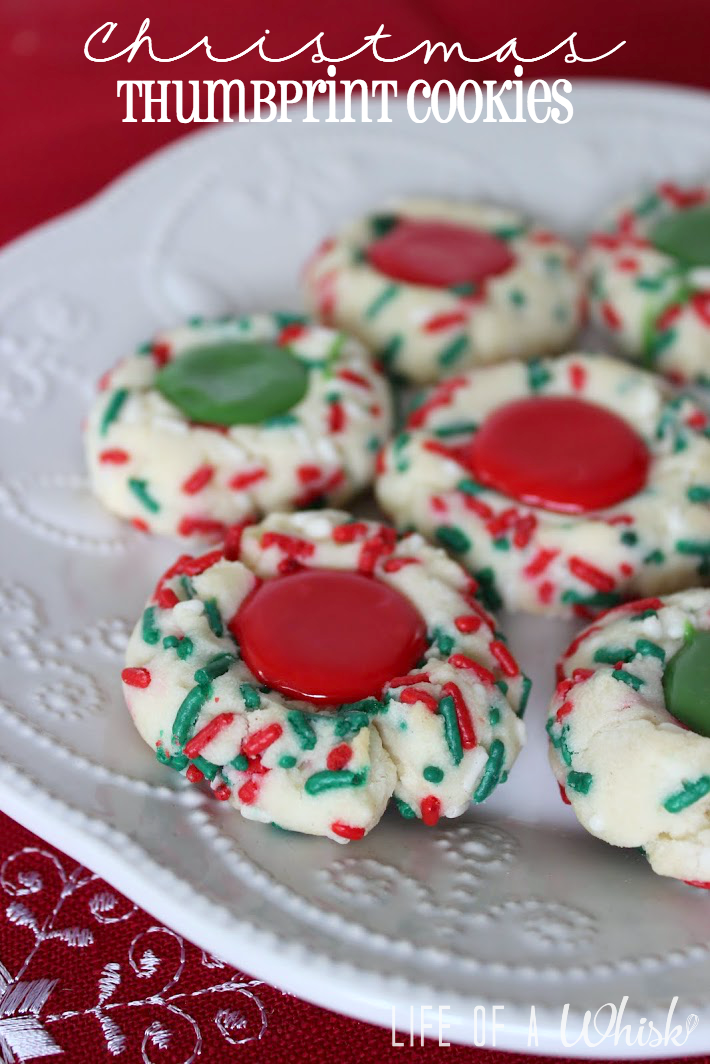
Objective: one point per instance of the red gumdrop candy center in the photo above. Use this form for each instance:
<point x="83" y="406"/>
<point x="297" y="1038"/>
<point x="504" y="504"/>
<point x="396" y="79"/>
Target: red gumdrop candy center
<point x="439" y="254"/>
<point x="328" y="636"/>
<point x="560" y="454"/>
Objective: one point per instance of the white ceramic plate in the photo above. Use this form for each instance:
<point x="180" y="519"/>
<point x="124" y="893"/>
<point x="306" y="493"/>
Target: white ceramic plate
<point x="513" y="905"/>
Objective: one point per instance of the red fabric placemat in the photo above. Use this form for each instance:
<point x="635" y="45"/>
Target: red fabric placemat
<point x="83" y="973"/>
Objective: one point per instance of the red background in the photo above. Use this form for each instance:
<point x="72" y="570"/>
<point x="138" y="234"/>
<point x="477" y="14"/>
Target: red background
<point x="63" y="139"/>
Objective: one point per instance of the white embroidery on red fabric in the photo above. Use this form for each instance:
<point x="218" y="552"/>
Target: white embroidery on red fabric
<point x="25" y="1035"/>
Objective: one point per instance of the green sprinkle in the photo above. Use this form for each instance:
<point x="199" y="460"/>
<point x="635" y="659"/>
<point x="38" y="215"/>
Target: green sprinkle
<point x="405" y="810"/>
<point x="579" y="781"/>
<point x="149" y="629"/>
<point x="610" y="655"/>
<point x="492" y="771"/>
<point x="517" y="298"/>
<point x="188" y="713"/>
<point x="287" y="761"/>
<point x="599" y="599"/>
<point x="387" y="293"/>
<point x="453" y="351"/>
<point x="525" y="689"/>
<point x="502" y="686"/>
<point x="140" y="490"/>
<point x="374" y="443"/>
<point x="470" y="487"/>
<point x="382" y="223"/>
<point x="629" y="538"/>
<point x="538" y="375"/>
<point x="648" y="649"/>
<point x="466" y="288"/>
<point x="692" y="792"/>
<point x="279" y="421"/>
<point x="350" y="724"/>
<point x="187" y="586"/>
<point x="113" y="409"/>
<point x="501" y="544"/>
<point x="185" y="648"/>
<point x="453" y="538"/>
<point x="487" y="591"/>
<point x="174" y="761"/>
<point x="251" y="697"/>
<point x="432" y="774"/>
<point x="213" y="616"/>
<point x="240" y="762"/>
<point x="303" y="728"/>
<point x="643" y="615"/>
<point x="656" y="557"/>
<point x="328" y="781"/>
<point x="208" y="769"/>
<point x="699" y="493"/>
<point x="628" y="678"/>
<point x="493" y="717"/>
<point x="364" y="705"/>
<point x="215" y="667"/>
<point x="287" y="317"/>
<point x="444" y="643"/>
<point x="510" y="232"/>
<point x="388" y="354"/>
<point x="447" y="710"/>
<point x="456" y="428"/>
<point x="693" y="546"/>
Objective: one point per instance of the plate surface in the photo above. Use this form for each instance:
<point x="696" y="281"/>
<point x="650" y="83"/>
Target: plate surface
<point x="513" y="905"/>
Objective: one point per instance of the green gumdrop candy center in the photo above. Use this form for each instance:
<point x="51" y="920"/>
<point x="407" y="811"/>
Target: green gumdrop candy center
<point x="686" y="683"/>
<point x="685" y="235"/>
<point x="233" y="382"/>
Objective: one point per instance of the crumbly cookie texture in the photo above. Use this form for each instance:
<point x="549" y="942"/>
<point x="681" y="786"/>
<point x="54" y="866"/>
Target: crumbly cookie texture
<point x="150" y="464"/>
<point x="436" y="739"/>
<point x="651" y="304"/>
<point x="529" y="558"/>
<point x="633" y="774"/>
<point x="423" y="333"/>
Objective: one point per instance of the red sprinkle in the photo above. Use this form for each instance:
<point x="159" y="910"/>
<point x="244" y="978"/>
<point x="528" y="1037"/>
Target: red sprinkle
<point x="210" y="731"/>
<point x="407" y="681"/>
<point x="290" y="545"/>
<point x="346" y="831"/>
<point x="244" y="480"/>
<point x="610" y="315"/>
<point x="336" y="417"/>
<point x="349" y="532"/>
<point x="160" y="353"/>
<point x="194" y="775"/>
<point x="431" y="810"/>
<point x="463" y="716"/>
<point x="291" y="332"/>
<point x="354" y="378"/>
<point x="461" y="661"/>
<point x="590" y="574"/>
<point x="248" y="792"/>
<point x="524" y="529"/>
<point x="577" y="376"/>
<point x="198" y="480"/>
<point x="393" y="565"/>
<point x="222" y="793"/>
<point x="504" y="658"/>
<point x="564" y="710"/>
<point x="540" y="562"/>
<point x="546" y="591"/>
<point x="136" y="677"/>
<point x="444" y="321"/>
<point x="261" y="740"/>
<point x="338" y="757"/>
<point x="563" y="795"/>
<point x="411" y="695"/>
<point x="115" y="456"/>
<point x="233" y="539"/>
<point x="140" y="524"/>
<point x="166" y="598"/>
<point x="202" y="526"/>
<point x="467" y="622"/>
